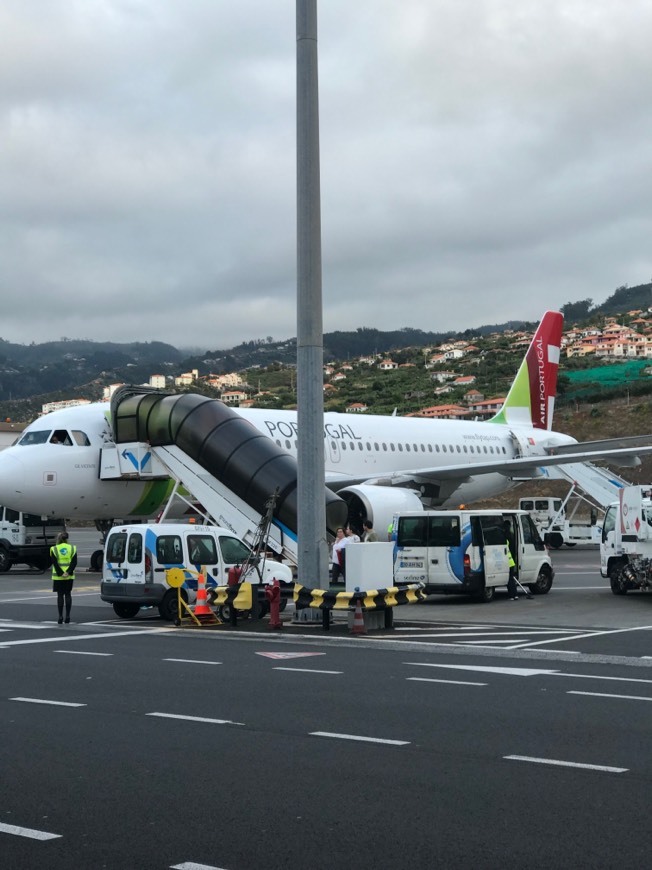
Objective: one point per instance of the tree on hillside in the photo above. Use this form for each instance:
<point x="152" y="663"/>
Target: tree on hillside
<point x="575" y="312"/>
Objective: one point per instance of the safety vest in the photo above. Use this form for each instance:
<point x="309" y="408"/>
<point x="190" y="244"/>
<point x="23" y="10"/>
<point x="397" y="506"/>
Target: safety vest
<point x="62" y="554"/>
<point x="510" y="558"/>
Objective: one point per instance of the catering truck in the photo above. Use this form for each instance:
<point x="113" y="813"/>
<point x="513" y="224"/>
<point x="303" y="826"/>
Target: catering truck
<point x="465" y="551"/>
<point x="626" y="544"/>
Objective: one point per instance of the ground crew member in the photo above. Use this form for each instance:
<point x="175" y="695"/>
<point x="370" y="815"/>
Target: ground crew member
<point x="511" y="550"/>
<point x="369" y="535"/>
<point x="64" y="561"/>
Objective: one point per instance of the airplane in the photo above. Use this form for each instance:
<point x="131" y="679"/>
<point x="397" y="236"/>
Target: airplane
<point x="378" y="464"/>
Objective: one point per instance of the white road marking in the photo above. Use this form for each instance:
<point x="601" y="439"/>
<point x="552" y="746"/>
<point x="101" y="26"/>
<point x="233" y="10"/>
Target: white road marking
<point x="44" y="701"/>
<point x="78" y="652"/>
<point x="194" y="719"/>
<point x="452" y="682"/>
<point x="598" y="677"/>
<point x="190" y="865"/>
<point x="27" y="832"/>
<point x="582" y="636"/>
<point x="307" y="670"/>
<point x="557" y="763"/>
<point x="193" y="661"/>
<point x="604" y="695"/>
<point x="359" y="737"/>
<point x="516" y="672"/>
<point x="62" y="639"/>
<point x="8" y="624"/>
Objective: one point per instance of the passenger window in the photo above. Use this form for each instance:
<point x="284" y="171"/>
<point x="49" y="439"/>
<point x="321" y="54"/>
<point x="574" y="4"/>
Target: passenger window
<point x="407" y="447"/>
<point x="116" y="548"/>
<point x="360" y="447"/>
<point x="135" y="551"/>
<point x="202" y="550"/>
<point x="168" y="550"/>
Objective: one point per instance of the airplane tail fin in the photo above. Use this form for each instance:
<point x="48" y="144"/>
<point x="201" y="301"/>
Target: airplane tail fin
<point x="531" y="398"/>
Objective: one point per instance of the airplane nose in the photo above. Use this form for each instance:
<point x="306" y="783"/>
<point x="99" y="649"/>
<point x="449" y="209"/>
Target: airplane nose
<point x="12" y="481"/>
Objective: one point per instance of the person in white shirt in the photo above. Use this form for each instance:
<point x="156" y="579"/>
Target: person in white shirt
<point x="337" y="556"/>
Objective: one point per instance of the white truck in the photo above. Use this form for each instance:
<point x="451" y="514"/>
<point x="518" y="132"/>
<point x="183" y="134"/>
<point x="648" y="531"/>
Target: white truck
<point x="25" y="539"/>
<point x="464" y="551"/>
<point x="557" y="522"/>
<point x="137" y="557"/>
<point x="626" y="544"/>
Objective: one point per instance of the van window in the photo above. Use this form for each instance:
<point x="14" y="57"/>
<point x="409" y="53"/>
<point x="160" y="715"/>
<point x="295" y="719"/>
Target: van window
<point x="527" y="504"/>
<point x="233" y="550"/>
<point x="412" y="532"/>
<point x="202" y="550"/>
<point x="492" y="530"/>
<point x="135" y="550"/>
<point x="116" y="547"/>
<point x="444" y="532"/>
<point x="530" y="532"/>
<point x="541" y="504"/>
<point x="168" y="549"/>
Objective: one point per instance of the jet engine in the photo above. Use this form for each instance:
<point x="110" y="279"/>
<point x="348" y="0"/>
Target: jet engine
<point x="378" y="504"/>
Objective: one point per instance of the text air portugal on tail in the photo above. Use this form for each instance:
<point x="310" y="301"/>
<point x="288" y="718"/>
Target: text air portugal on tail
<point x="531" y="400"/>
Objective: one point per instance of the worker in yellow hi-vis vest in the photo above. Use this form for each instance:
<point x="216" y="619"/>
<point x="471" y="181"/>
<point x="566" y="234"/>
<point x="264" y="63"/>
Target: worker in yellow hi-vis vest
<point x="64" y="561"/>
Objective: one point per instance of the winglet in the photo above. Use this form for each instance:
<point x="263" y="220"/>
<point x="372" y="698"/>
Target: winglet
<point x="531" y="398"/>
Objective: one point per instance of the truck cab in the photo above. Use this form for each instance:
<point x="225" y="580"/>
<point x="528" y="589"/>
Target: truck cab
<point x="626" y="541"/>
<point x="137" y="557"/>
<point x="465" y="551"/>
<point x="25" y="539"/>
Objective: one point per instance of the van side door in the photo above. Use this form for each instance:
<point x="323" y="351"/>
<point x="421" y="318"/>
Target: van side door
<point x="529" y="547"/>
<point x="609" y="547"/>
<point x="203" y="557"/>
<point x="494" y="551"/>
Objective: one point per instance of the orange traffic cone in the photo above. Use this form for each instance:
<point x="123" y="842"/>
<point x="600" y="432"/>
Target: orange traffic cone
<point x="358" y="620"/>
<point x="201" y="605"/>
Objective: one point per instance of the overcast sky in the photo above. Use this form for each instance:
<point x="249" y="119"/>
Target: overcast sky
<point x="481" y="160"/>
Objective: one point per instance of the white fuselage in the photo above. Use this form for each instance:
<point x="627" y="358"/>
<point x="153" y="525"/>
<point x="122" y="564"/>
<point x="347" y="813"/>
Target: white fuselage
<point x="51" y="479"/>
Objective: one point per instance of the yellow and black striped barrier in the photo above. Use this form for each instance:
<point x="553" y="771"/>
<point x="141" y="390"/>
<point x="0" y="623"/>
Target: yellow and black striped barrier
<point x="370" y="599"/>
<point x="240" y="597"/>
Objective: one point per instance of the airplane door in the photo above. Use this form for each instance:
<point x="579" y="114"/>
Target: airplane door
<point x="333" y="450"/>
<point x="494" y="555"/>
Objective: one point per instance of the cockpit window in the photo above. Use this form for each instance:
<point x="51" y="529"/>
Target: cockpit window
<point x="35" y="437"/>
<point x="80" y="438"/>
<point x="60" y="436"/>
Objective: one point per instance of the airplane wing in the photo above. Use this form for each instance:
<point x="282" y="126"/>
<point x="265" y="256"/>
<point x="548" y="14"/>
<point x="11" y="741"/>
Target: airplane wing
<point x="523" y="467"/>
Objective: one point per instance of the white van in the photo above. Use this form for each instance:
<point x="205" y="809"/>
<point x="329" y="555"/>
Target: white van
<point x="136" y="558"/>
<point x="464" y="551"/>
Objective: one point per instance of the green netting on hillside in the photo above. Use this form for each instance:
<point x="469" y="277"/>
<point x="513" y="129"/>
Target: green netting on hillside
<point x="613" y="375"/>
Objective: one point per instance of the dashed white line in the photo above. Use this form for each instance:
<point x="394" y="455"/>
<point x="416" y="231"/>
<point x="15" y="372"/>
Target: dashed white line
<point x="190" y="865"/>
<point x="516" y="672"/>
<point x="557" y="763"/>
<point x="306" y="670"/>
<point x="359" y="737"/>
<point x="46" y="701"/>
<point x="78" y="652"/>
<point x="193" y="661"/>
<point x="604" y="695"/>
<point x="451" y="682"/>
<point x="194" y="719"/>
<point x="70" y="637"/>
<point x="32" y="834"/>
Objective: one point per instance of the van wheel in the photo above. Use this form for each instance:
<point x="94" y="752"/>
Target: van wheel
<point x="125" y="610"/>
<point x="5" y="561"/>
<point x="97" y="560"/>
<point x="168" y="609"/>
<point x="486" y="594"/>
<point x="542" y="584"/>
